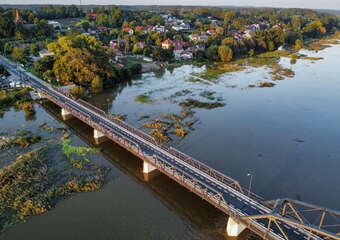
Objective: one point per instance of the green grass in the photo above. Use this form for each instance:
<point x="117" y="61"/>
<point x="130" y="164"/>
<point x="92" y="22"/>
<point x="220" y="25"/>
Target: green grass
<point x="143" y="98"/>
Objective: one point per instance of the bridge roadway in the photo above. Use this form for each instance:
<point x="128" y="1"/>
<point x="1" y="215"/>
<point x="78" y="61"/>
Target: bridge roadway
<point x="225" y="197"/>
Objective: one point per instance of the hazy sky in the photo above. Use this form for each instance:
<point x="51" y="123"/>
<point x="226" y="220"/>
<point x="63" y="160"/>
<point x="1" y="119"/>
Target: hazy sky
<point x="325" y="4"/>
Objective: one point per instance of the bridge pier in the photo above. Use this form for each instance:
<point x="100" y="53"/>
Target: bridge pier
<point x="149" y="171"/>
<point x="66" y="114"/>
<point x="148" y="168"/>
<point x="234" y="228"/>
<point x="98" y="136"/>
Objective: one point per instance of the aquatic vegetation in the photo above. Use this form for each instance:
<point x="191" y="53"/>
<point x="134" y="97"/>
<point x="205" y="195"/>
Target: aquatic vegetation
<point x="23" y="139"/>
<point x="27" y="107"/>
<point x="173" y="117"/>
<point x="76" y="155"/>
<point x="317" y="46"/>
<point x="311" y="58"/>
<point x="143" y="116"/>
<point x="160" y="135"/>
<point x="121" y="117"/>
<point x="156" y="124"/>
<point x="195" y="79"/>
<point x="208" y="95"/>
<point x="187" y="113"/>
<point x="181" y="93"/>
<point x="193" y="103"/>
<point x="266" y="84"/>
<point x="279" y="73"/>
<point x="30" y="186"/>
<point x="180" y="132"/>
<point x="10" y="97"/>
<point x="143" y="98"/>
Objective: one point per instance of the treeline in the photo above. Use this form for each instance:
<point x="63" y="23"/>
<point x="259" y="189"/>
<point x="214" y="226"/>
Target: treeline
<point x="56" y="12"/>
<point x="9" y="28"/>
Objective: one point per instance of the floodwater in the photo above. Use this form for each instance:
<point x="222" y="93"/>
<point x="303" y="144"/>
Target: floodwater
<point x="287" y="137"/>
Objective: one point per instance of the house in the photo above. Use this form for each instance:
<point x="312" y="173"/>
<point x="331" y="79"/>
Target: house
<point x="253" y="27"/>
<point x="198" y="38"/>
<point x="45" y="53"/>
<point x="140" y="45"/>
<point x="200" y="47"/>
<point x="179" y="45"/>
<point x="181" y="27"/>
<point x="194" y="37"/>
<point x="184" y="55"/>
<point x="149" y="28"/>
<point x="92" y="31"/>
<point x="158" y="28"/>
<point x="93" y="16"/>
<point x="140" y="29"/>
<point x="114" y="44"/>
<point x="167" y="44"/>
<point x="102" y="28"/>
<point x="211" y="31"/>
<point x="128" y="30"/>
<point x="54" y="24"/>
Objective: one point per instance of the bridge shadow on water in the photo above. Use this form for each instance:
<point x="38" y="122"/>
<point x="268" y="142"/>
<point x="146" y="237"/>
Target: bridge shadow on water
<point x="193" y="210"/>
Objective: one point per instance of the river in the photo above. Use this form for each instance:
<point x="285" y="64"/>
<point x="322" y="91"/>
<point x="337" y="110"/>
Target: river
<point x="286" y="136"/>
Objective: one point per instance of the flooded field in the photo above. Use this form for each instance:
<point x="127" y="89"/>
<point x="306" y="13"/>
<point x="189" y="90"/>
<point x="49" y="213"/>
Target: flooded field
<point x="278" y="123"/>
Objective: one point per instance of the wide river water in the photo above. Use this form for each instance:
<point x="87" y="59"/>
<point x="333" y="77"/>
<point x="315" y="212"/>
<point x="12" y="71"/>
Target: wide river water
<point x="287" y="137"/>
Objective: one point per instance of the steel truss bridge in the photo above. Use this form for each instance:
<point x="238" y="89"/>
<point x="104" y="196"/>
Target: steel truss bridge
<point x="284" y="219"/>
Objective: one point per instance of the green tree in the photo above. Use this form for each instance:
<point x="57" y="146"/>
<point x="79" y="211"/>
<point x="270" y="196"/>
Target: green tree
<point x="78" y="91"/>
<point x="34" y="49"/>
<point x="18" y="55"/>
<point x="211" y="53"/>
<point x="8" y="48"/>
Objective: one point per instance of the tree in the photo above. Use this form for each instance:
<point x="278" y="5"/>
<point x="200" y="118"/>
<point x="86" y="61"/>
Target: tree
<point x="211" y="53"/>
<point x="76" y="66"/>
<point x="79" y="59"/>
<point x="34" y="49"/>
<point x="8" y="48"/>
<point x="314" y="29"/>
<point x="97" y="85"/>
<point x="18" y="55"/>
<point x="298" y="45"/>
<point x="271" y="46"/>
<point x="43" y="65"/>
<point x="78" y="91"/>
<point x="225" y="53"/>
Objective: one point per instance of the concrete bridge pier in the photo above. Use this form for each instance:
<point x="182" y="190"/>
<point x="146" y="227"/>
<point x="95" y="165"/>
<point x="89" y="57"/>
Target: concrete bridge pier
<point x="148" y="171"/>
<point x="66" y="114"/>
<point x="234" y="227"/>
<point x="98" y="136"/>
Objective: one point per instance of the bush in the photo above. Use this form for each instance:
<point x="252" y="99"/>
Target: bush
<point x="78" y="91"/>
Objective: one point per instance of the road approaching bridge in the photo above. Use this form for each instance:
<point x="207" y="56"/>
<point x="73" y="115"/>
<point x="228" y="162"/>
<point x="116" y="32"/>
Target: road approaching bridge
<point x="279" y="219"/>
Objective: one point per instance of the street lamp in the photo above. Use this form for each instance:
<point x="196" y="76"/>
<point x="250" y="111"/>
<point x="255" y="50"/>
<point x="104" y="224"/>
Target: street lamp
<point x="250" y="182"/>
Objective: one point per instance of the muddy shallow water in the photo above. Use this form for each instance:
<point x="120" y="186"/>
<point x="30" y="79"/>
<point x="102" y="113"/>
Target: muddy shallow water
<point x="286" y="136"/>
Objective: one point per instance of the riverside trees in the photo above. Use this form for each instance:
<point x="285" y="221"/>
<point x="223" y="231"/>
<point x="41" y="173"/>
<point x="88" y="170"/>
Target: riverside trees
<point x="81" y="60"/>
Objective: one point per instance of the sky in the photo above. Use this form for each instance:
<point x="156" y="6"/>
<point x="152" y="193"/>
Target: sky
<point x="316" y="4"/>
